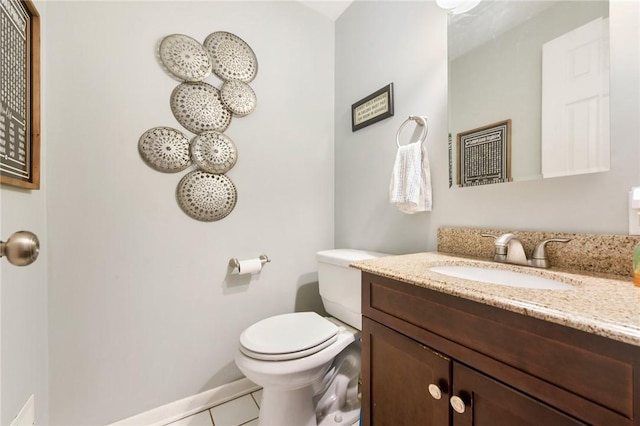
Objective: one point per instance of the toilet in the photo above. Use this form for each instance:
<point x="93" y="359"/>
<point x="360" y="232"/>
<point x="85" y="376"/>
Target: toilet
<point x="309" y="365"/>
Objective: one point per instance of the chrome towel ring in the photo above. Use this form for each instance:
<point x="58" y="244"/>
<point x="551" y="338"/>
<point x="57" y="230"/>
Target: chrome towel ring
<point x="420" y="121"/>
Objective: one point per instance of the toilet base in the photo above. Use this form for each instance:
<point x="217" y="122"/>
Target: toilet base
<point x="336" y="401"/>
<point x="330" y="400"/>
<point x="296" y="408"/>
<point x="343" y="418"/>
<point x="287" y="407"/>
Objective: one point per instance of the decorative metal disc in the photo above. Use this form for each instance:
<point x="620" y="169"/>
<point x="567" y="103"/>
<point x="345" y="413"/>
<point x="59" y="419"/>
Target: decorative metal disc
<point x="165" y="149"/>
<point x="232" y="58"/>
<point x="205" y="196"/>
<point x="214" y="152"/>
<point x="185" y="57"/>
<point x="198" y="107"/>
<point x="238" y="97"/>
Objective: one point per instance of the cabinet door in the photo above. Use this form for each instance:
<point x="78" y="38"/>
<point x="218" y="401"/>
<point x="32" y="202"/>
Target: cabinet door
<point x="490" y="403"/>
<point x="401" y="380"/>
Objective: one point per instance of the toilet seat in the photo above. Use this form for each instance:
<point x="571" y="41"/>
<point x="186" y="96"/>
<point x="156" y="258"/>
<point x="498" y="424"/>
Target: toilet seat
<point x="288" y="336"/>
<point x="290" y="355"/>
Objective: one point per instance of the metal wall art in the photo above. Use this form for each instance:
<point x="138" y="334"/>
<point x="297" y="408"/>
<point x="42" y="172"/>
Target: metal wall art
<point x="205" y="196"/>
<point x="238" y="97"/>
<point x="232" y="57"/>
<point x="214" y="152"/>
<point x="185" y="58"/>
<point x="206" y="193"/>
<point x="199" y="108"/>
<point x="165" y="149"/>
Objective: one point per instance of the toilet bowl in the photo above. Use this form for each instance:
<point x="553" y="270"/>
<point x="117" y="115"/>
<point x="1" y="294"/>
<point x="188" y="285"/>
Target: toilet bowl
<point x="309" y="365"/>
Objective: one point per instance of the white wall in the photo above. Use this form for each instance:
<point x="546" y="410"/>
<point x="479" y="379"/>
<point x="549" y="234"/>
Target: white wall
<point x="141" y="312"/>
<point x="23" y="290"/>
<point x="378" y="43"/>
<point x="411" y="50"/>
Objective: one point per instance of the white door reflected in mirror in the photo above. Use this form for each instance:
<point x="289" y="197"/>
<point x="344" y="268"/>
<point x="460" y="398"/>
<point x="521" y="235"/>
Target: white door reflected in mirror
<point x="496" y="74"/>
<point x="575" y="101"/>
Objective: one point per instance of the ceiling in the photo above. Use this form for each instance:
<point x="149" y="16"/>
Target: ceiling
<point x="488" y="20"/>
<point x="329" y="8"/>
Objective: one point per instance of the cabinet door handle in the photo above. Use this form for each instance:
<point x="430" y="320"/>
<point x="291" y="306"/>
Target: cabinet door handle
<point x="457" y="404"/>
<point x="435" y="391"/>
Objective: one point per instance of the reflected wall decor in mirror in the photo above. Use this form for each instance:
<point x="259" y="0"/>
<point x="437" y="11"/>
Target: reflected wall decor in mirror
<point x="544" y="65"/>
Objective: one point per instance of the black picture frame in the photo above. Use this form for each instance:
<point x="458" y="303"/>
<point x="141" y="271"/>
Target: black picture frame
<point x="375" y="107"/>
<point x="484" y="155"/>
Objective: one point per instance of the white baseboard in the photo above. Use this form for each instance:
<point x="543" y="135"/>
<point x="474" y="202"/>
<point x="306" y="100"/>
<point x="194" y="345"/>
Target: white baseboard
<point x="193" y="404"/>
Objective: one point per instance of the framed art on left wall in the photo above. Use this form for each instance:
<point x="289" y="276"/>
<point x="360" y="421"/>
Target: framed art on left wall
<point x="20" y="94"/>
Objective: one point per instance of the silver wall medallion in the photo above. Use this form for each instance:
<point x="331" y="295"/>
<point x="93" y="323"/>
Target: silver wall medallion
<point x="185" y="57"/>
<point x="214" y="152"/>
<point x="165" y="149"/>
<point x="238" y="97"/>
<point x="232" y="58"/>
<point x="198" y="108"/>
<point x="206" y="197"/>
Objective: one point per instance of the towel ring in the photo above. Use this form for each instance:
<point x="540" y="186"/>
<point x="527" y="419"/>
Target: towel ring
<point x="421" y="121"/>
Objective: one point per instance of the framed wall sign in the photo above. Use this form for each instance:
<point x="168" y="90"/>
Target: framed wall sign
<point x="375" y="107"/>
<point x="19" y="94"/>
<point x="484" y="155"/>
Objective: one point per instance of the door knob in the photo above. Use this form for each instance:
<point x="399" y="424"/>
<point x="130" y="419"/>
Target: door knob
<point x="435" y="391"/>
<point x="21" y="249"/>
<point x="457" y="404"/>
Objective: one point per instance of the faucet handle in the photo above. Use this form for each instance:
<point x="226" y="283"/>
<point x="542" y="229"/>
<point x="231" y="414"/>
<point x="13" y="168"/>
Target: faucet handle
<point x="540" y="251"/>
<point x="500" y="254"/>
<point x="539" y="256"/>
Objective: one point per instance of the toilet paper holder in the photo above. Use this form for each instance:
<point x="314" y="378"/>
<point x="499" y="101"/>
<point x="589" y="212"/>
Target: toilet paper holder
<point x="235" y="263"/>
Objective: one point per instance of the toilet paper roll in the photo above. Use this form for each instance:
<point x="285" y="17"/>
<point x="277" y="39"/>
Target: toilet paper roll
<point x="249" y="266"/>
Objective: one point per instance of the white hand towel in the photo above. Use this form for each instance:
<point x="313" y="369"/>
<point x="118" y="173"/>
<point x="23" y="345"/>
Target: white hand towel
<point x="410" y="187"/>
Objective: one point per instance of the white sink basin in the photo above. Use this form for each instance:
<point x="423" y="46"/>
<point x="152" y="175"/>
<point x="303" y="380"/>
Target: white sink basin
<point x="501" y="277"/>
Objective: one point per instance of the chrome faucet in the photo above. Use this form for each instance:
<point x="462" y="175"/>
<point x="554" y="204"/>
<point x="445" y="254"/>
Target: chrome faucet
<point x="509" y="250"/>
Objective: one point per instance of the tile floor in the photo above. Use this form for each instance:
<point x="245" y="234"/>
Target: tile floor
<point x="242" y="411"/>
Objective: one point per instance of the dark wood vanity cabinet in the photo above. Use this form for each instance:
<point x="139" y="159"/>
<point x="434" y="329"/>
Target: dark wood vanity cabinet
<point x="426" y="352"/>
<point x="400" y="373"/>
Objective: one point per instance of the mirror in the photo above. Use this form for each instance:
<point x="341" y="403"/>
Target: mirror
<point x="528" y="91"/>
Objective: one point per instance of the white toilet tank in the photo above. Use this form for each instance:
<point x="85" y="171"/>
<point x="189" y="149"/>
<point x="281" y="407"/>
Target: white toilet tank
<point x="340" y="286"/>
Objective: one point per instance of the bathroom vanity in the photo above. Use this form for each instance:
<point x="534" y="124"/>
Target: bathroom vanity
<point x="440" y="351"/>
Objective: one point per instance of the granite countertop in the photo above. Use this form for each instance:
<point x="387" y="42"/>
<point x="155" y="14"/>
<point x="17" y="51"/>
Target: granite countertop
<point x="601" y="304"/>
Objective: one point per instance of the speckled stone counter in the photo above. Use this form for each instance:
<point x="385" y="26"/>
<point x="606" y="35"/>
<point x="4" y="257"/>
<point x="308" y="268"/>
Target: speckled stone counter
<point x="610" y="254"/>
<point x="606" y="305"/>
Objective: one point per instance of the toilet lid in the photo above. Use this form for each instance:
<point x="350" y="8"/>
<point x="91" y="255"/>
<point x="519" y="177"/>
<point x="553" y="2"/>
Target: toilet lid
<point x="288" y="333"/>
